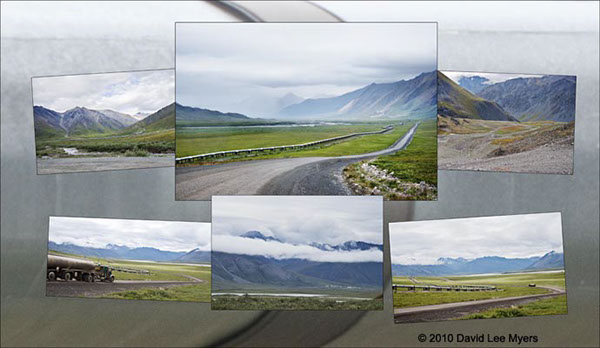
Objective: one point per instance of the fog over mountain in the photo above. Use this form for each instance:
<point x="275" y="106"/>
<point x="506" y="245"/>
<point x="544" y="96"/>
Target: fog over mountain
<point x="259" y="69"/>
<point x="294" y="242"/>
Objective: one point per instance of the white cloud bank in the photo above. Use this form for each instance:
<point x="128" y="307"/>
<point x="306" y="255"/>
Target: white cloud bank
<point x="511" y="236"/>
<point x="298" y="221"/>
<point x="126" y="92"/>
<point x="279" y="251"/>
<point x="98" y="232"/>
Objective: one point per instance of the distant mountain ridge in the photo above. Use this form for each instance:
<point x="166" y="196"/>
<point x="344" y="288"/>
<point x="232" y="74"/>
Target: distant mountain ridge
<point x="80" y="121"/>
<point x="195" y="256"/>
<point x="350" y="245"/>
<point x="473" y="84"/>
<point x="546" y="98"/>
<point x="455" y="101"/>
<point x="258" y="235"/>
<point x="414" y="98"/>
<point x="113" y="251"/>
<point x="251" y="270"/>
<point x="482" y="265"/>
<point x="189" y="113"/>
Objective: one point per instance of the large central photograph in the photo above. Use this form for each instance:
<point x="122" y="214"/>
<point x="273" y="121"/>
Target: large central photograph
<point x="306" y="109"/>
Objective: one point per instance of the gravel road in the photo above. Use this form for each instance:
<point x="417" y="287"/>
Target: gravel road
<point x="85" y="289"/>
<point x="459" y="309"/>
<point x="285" y="176"/>
<point x="93" y="164"/>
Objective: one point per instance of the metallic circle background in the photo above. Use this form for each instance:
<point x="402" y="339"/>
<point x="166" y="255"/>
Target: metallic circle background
<point x="61" y="38"/>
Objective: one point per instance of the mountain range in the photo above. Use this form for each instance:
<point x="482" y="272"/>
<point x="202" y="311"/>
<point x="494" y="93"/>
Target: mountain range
<point x="80" y="121"/>
<point x="414" y="98"/>
<point x="112" y="251"/>
<point x="549" y="98"/>
<point x="482" y="265"/>
<point x="231" y="270"/>
<point x="456" y="101"/>
<point x="546" y="98"/>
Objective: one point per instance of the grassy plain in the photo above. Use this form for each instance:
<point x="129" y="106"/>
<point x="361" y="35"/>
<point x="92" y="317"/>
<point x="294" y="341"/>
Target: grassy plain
<point x="353" y="146"/>
<point x="246" y="302"/>
<point x="194" y="141"/>
<point x="142" y="144"/>
<point x="188" y="293"/>
<point x="547" y="306"/>
<point x="510" y="285"/>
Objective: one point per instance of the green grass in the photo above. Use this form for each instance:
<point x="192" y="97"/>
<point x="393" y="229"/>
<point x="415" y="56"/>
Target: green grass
<point x="418" y="162"/>
<point x="548" y="306"/>
<point x="224" y="302"/>
<point x="188" y="293"/>
<point x="511" y="285"/>
<point x="354" y="146"/>
<point x="154" y="142"/>
<point x="195" y="141"/>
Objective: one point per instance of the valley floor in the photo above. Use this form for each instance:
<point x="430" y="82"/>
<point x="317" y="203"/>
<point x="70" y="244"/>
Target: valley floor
<point x="528" y="147"/>
<point x="514" y="297"/>
<point x="251" y="302"/>
<point x="89" y="164"/>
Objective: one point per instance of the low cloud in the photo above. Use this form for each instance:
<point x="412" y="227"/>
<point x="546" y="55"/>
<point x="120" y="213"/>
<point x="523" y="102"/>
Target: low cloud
<point x="279" y="251"/>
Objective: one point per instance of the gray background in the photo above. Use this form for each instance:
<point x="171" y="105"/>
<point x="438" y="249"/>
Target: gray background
<point x="49" y="39"/>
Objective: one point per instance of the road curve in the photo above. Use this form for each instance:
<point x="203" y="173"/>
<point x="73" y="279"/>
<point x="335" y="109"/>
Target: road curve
<point x="284" y="176"/>
<point x="458" y="309"/>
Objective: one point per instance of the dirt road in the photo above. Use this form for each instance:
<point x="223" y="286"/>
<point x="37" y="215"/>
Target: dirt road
<point x="447" y="311"/>
<point x="89" y="164"/>
<point x="85" y="289"/>
<point x="286" y="176"/>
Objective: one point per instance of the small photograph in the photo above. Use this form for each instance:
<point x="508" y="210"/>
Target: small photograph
<point x="333" y="109"/>
<point x="128" y="259"/>
<point x="297" y="253"/>
<point x="478" y="268"/>
<point x="108" y="121"/>
<point x="506" y="122"/>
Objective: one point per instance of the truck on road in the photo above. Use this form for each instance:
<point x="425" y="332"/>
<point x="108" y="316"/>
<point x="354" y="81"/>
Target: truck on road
<point x="69" y="268"/>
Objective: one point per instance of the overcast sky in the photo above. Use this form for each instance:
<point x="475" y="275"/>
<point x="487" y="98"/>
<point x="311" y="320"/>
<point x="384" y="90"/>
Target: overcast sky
<point x="126" y="92"/>
<point x="233" y="67"/>
<point x="512" y="236"/>
<point x="492" y="77"/>
<point x="163" y="235"/>
<point x="298" y="221"/>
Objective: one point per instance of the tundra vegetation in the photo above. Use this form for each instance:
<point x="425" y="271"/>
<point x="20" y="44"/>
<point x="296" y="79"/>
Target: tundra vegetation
<point x="508" y="285"/>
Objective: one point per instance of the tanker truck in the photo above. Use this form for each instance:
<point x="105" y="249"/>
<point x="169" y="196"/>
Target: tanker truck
<point x="68" y="268"/>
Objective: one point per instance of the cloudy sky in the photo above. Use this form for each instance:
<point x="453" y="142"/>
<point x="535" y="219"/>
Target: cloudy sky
<point x="511" y="236"/>
<point x="126" y="92"/>
<point x="163" y="235"/>
<point x="492" y="77"/>
<point x="247" y="67"/>
<point x="297" y="221"/>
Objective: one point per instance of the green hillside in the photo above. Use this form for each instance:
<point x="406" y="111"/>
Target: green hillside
<point x="455" y="101"/>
